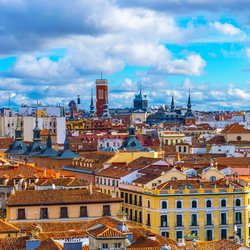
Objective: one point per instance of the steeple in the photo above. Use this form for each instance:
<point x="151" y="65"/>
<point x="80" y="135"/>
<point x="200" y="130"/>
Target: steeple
<point x="189" y="105"/>
<point x="131" y="129"/>
<point x="37" y="132"/>
<point x="72" y="117"/>
<point x="105" y="114"/>
<point x="92" y="107"/>
<point x="49" y="142"/>
<point x="172" y="104"/>
<point x="18" y="131"/>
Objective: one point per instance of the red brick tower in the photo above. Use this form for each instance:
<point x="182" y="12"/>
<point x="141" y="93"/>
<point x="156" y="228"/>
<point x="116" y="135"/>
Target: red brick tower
<point x="101" y="92"/>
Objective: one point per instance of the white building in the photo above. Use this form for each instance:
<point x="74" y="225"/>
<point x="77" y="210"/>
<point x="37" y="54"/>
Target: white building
<point x="54" y="124"/>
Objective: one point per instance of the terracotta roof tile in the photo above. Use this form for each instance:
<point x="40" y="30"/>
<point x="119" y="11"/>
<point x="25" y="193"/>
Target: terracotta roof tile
<point x="6" y="227"/>
<point x="61" y="196"/>
<point x="235" y="128"/>
<point x="103" y="231"/>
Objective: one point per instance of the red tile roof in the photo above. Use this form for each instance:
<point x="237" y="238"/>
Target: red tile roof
<point x="61" y="196"/>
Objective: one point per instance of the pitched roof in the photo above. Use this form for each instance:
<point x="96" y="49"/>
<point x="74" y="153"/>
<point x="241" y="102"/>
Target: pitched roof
<point x="13" y="243"/>
<point x="235" y="128"/>
<point x="60" y="196"/>
<point x="6" y="227"/>
<point x="103" y="231"/>
<point x="49" y="244"/>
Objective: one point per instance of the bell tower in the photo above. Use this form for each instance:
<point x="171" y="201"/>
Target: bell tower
<point x="101" y="94"/>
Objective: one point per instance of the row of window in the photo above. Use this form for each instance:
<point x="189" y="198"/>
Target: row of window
<point x="194" y="219"/>
<point x="133" y="199"/>
<point x="208" y="236"/>
<point x="44" y="212"/>
<point x="109" y="144"/>
<point x="117" y="245"/>
<point x="194" y="203"/>
<point x="104" y="181"/>
<point x="133" y="215"/>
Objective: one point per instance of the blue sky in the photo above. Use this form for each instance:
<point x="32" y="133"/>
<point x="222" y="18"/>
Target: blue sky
<point x="52" y="51"/>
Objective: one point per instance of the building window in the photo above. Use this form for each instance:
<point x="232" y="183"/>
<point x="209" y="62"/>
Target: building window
<point x="130" y="214"/>
<point x="194" y="204"/>
<point x="194" y="220"/>
<point x="223" y="234"/>
<point x="44" y="213"/>
<point x="184" y="149"/>
<point x="140" y="200"/>
<point x="212" y="178"/>
<point x="239" y="232"/>
<point x="179" y="235"/>
<point x="209" y="234"/>
<point x="238" y="218"/>
<point x="118" y="245"/>
<point x="105" y="245"/>
<point x="106" y="210"/>
<point x="164" y="204"/>
<point x="135" y="219"/>
<point x="194" y="232"/>
<point x="179" y="220"/>
<point x="223" y="203"/>
<point x="64" y="212"/>
<point x="179" y="204"/>
<point x="179" y="149"/>
<point x="21" y="214"/>
<point x="126" y="197"/>
<point x="208" y="203"/>
<point x="130" y="199"/>
<point x="148" y="220"/>
<point x="208" y="219"/>
<point x="237" y="202"/>
<point x="148" y="203"/>
<point x="140" y="217"/>
<point x="135" y="199"/>
<point x="165" y="234"/>
<point x="223" y="218"/>
<point x="83" y="211"/>
<point x="164" y="220"/>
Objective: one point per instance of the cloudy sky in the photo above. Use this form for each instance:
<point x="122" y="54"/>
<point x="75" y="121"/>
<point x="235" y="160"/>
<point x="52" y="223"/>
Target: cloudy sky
<point x="52" y="50"/>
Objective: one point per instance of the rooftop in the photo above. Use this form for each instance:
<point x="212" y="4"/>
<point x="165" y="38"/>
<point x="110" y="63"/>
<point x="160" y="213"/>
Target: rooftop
<point x="61" y="196"/>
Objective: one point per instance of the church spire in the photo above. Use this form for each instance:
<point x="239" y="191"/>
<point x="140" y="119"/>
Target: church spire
<point x="105" y="114"/>
<point x="18" y="131"/>
<point x="36" y="131"/>
<point x="49" y="142"/>
<point x="172" y="103"/>
<point x="189" y="105"/>
<point x="92" y="107"/>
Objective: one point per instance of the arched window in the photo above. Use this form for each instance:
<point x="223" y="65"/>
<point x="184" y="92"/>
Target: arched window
<point x="173" y="179"/>
<point x="194" y="204"/>
<point x="164" y="205"/>
<point x="223" y="203"/>
<point x="237" y="202"/>
<point x="178" y="204"/>
<point x="208" y="203"/>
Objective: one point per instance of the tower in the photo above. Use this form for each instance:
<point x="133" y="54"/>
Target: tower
<point x="78" y="101"/>
<point x="140" y="101"/>
<point x="172" y="104"/>
<point x="101" y="93"/>
<point x="105" y="113"/>
<point x="92" y="107"/>
<point x="36" y="132"/>
<point x="189" y="116"/>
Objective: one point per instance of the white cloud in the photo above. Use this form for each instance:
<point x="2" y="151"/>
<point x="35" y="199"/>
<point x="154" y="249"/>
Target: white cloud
<point x="193" y="64"/>
<point x="248" y="52"/>
<point x="227" y="29"/>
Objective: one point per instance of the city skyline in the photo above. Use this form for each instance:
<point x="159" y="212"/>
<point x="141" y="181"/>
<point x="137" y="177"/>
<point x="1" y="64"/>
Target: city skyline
<point x="52" y="52"/>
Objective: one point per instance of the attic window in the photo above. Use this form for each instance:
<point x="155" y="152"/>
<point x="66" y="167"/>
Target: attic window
<point x="181" y="187"/>
<point x="238" y="138"/>
<point x="189" y="186"/>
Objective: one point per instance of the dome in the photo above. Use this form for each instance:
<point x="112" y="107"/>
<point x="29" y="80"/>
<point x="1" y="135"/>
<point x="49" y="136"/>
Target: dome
<point x="72" y="104"/>
<point x="110" y="149"/>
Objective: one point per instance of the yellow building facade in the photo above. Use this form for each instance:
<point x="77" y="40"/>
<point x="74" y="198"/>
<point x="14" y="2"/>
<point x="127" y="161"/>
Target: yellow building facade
<point x="210" y="213"/>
